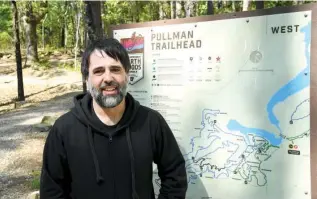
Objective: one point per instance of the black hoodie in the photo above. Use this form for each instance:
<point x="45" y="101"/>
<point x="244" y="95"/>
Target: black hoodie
<point x="85" y="159"/>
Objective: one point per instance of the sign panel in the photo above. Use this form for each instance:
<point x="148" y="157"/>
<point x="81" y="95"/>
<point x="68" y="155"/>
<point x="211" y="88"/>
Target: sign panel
<point x="236" y="94"/>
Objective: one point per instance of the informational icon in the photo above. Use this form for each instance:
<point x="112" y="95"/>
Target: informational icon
<point x="218" y="59"/>
<point x="293" y="149"/>
<point x="255" y="56"/>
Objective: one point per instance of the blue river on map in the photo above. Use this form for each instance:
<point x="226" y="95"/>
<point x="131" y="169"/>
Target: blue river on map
<point x="297" y="84"/>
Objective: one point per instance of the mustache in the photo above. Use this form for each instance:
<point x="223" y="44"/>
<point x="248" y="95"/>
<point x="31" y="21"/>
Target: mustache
<point x="112" y="83"/>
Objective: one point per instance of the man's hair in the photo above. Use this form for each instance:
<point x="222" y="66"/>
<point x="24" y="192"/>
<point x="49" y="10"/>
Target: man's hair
<point x="112" y="48"/>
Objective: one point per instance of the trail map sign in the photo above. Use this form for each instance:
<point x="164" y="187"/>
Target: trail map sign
<point x="238" y="93"/>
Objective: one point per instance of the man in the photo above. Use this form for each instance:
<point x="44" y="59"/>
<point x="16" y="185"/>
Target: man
<point x="105" y="146"/>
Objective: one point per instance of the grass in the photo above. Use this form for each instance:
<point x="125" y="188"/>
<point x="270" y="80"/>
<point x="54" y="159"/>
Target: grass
<point x="34" y="183"/>
<point x="70" y="66"/>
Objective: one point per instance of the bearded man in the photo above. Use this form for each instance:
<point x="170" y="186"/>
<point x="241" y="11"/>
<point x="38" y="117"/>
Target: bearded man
<point x="105" y="146"/>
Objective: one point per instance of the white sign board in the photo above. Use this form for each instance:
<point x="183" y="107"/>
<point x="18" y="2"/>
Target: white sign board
<point x="236" y="95"/>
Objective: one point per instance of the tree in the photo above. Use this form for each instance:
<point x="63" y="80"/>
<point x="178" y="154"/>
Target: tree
<point x="173" y="9"/>
<point x="93" y="20"/>
<point x="93" y="25"/>
<point x="259" y="5"/>
<point x="17" y="51"/>
<point x="246" y="5"/>
<point x="33" y="16"/>
<point x="180" y="9"/>
<point x="190" y="8"/>
<point x="210" y="8"/>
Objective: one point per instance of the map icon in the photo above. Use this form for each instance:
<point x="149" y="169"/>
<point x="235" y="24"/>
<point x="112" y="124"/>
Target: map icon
<point x="256" y="56"/>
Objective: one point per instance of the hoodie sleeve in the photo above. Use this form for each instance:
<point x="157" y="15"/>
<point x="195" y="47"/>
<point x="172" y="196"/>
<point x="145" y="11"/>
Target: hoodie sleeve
<point x="170" y="163"/>
<point x="55" y="182"/>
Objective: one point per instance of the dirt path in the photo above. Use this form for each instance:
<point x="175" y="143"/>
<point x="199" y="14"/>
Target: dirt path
<point x="21" y="144"/>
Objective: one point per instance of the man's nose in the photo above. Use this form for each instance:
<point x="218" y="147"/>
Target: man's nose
<point x="107" y="76"/>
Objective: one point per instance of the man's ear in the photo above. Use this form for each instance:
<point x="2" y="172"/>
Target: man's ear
<point x="127" y="77"/>
<point x="87" y="84"/>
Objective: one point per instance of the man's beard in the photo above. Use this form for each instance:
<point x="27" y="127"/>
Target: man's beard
<point x="108" y="101"/>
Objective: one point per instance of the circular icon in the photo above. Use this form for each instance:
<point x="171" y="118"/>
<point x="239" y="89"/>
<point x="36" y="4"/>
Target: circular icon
<point x="290" y="146"/>
<point x="295" y="147"/>
<point x="256" y="56"/>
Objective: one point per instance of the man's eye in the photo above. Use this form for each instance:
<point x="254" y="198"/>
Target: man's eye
<point x="98" y="72"/>
<point x="115" y="69"/>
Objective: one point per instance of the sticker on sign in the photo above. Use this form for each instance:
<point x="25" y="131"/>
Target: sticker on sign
<point x="137" y="70"/>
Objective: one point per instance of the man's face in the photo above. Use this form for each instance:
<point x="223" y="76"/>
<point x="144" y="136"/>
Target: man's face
<point x="107" y="80"/>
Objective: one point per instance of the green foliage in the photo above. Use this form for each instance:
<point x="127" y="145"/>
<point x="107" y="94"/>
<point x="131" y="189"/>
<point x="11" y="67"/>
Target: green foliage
<point x="124" y="12"/>
<point x="272" y="4"/>
<point x="34" y="182"/>
<point x="58" y="18"/>
<point x="6" y="41"/>
<point x="6" y="31"/>
<point x="5" y="17"/>
<point x="71" y="66"/>
<point x="202" y="8"/>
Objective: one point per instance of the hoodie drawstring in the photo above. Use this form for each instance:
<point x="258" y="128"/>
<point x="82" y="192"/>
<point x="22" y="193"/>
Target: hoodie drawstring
<point x="97" y="168"/>
<point x="134" y="193"/>
<point x="94" y="156"/>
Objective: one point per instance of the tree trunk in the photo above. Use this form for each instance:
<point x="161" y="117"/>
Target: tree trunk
<point x="178" y="9"/>
<point x="93" y="24"/>
<point x="233" y="6"/>
<point x="30" y="33"/>
<point x="210" y="8"/>
<point x="195" y="10"/>
<point x="259" y="5"/>
<point x="31" y="40"/>
<point x="161" y="8"/>
<point x="246" y="4"/>
<point x="173" y="9"/>
<point x="31" y="20"/>
<point x="77" y="38"/>
<point x="219" y="4"/>
<point x="103" y="12"/>
<point x="62" y="41"/>
<point x="236" y="6"/>
<point x="188" y="7"/>
<point x="93" y="20"/>
<point x="18" y="58"/>
<point x="65" y="26"/>
<point x="43" y="33"/>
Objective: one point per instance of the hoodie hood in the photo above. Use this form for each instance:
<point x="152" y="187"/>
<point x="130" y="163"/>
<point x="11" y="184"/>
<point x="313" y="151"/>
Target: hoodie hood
<point x="83" y="111"/>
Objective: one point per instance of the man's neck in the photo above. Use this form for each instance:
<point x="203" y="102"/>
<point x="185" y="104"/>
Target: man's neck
<point x="109" y="116"/>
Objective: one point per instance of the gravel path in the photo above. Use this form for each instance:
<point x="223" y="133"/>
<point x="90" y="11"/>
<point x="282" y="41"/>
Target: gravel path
<point x="21" y="145"/>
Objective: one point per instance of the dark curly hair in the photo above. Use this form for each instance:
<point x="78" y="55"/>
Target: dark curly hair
<point x="112" y="48"/>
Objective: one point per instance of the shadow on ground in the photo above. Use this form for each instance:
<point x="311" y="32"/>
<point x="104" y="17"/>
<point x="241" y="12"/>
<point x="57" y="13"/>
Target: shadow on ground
<point x="15" y="125"/>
